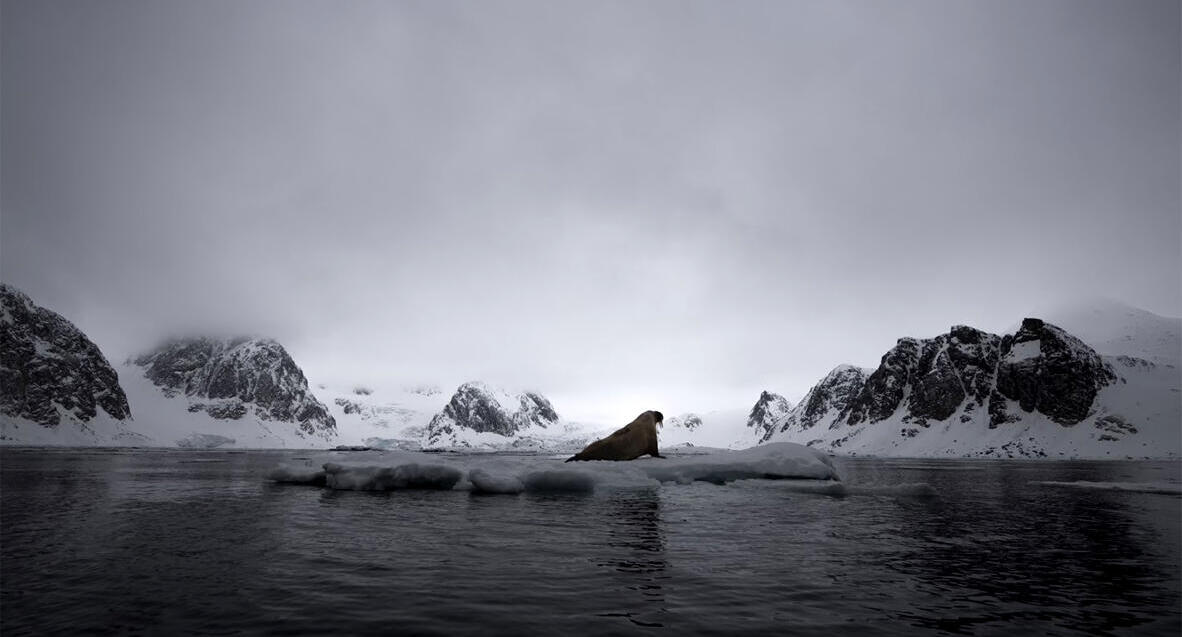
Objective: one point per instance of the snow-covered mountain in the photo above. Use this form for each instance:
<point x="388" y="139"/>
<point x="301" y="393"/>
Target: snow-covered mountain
<point x="769" y="410"/>
<point x="380" y="416"/>
<point x="56" y="387"/>
<point x="1037" y="392"/>
<point x="248" y="390"/>
<point x="476" y="416"/>
<point x="826" y="404"/>
<point x="477" y="411"/>
<point x="717" y="428"/>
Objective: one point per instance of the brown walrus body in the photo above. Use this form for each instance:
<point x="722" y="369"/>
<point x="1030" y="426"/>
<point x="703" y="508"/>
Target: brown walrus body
<point x="636" y="439"/>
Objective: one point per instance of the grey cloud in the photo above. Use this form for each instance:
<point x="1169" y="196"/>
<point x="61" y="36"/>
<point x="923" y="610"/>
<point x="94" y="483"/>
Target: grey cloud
<point x="687" y="201"/>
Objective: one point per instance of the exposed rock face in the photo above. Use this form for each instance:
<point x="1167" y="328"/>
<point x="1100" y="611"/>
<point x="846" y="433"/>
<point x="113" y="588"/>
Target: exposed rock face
<point x="829" y="400"/>
<point x="534" y="409"/>
<point x="230" y="379"/>
<point x="476" y="407"/>
<point x="687" y="421"/>
<point x="1046" y="369"/>
<point x="50" y="369"/>
<point x="1040" y="368"/>
<point x="974" y="356"/>
<point x="768" y="413"/>
<point x="884" y="389"/>
<point x="936" y="375"/>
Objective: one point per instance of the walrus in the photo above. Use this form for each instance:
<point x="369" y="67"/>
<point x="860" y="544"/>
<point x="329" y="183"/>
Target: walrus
<point x="635" y="439"/>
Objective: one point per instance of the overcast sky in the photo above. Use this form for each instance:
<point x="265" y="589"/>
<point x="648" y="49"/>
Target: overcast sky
<point x="626" y="205"/>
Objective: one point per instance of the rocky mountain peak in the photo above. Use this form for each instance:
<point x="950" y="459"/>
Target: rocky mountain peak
<point x="230" y="378"/>
<point x="49" y="369"/>
<point x="767" y="413"/>
<point x="477" y="407"/>
<point x="831" y="399"/>
<point x="687" y="421"/>
<point x="534" y="410"/>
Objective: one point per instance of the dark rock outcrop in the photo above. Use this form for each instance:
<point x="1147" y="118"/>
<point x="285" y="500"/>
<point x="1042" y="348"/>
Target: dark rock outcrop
<point x="476" y="407"/>
<point x="50" y="369"/>
<point x="768" y="413"/>
<point x="1045" y="369"/>
<point x="967" y="371"/>
<point x="884" y="389"/>
<point x="229" y="379"/>
<point x="937" y="375"/>
<point x="534" y="410"/>
<point x="832" y="399"/>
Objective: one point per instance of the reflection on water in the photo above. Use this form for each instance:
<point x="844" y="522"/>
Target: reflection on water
<point x="170" y="542"/>
<point x="635" y="535"/>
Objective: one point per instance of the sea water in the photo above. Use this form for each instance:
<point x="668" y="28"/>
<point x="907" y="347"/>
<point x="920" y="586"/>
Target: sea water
<point x="185" y="542"/>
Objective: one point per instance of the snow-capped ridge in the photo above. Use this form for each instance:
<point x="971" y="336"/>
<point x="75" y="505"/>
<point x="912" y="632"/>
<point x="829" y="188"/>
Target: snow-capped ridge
<point x="1038" y="391"/>
<point x="768" y="414"/>
<point x="476" y="408"/>
<point x="51" y="373"/>
<point x="236" y="377"/>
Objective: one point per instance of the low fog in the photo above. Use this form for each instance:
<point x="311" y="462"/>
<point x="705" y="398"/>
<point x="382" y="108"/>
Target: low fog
<point x="662" y="205"/>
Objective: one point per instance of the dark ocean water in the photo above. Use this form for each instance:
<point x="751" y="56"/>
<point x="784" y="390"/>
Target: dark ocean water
<point x="171" y="542"/>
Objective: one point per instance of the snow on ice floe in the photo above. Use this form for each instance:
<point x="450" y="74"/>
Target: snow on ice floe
<point x="204" y="441"/>
<point x="485" y="482"/>
<point x="1165" y="488"/>
<point x="493" y="474"/>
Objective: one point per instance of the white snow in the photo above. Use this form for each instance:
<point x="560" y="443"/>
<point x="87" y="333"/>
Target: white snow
<point x="484" y="482"/>
<point x="1024" y="350"/>
<point x="204" y="441"/>
<point x="1115" y="329"/>
<point x="1147" y="398"/>
<point x="515" y="474"/>
<point x="726" y="429"/>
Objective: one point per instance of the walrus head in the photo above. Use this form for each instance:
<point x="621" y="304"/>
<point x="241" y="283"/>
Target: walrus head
<point x="659" y="417"/>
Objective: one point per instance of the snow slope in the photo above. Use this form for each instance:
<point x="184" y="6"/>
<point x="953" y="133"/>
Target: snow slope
<point x="1115" y="329"/>
<point x="720" y="429"/>
<point x="167" y="421"/>
<point x="1136" y="411"/>
<point x="401" y="417"/>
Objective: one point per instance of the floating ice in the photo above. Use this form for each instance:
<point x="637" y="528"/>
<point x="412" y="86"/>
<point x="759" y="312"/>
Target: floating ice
<point x="1165" y="488"/>
<point x="204" y="441"/>
<point x="297" y="475"/>
<point x="407" y="476"/>
<point x="484" y="482"/>
<point x="493" y="473"/>
<point x="778" y="460"/>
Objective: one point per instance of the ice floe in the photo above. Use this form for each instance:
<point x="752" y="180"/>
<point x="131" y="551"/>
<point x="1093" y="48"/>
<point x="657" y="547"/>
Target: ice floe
<point x="500" y="474"/>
